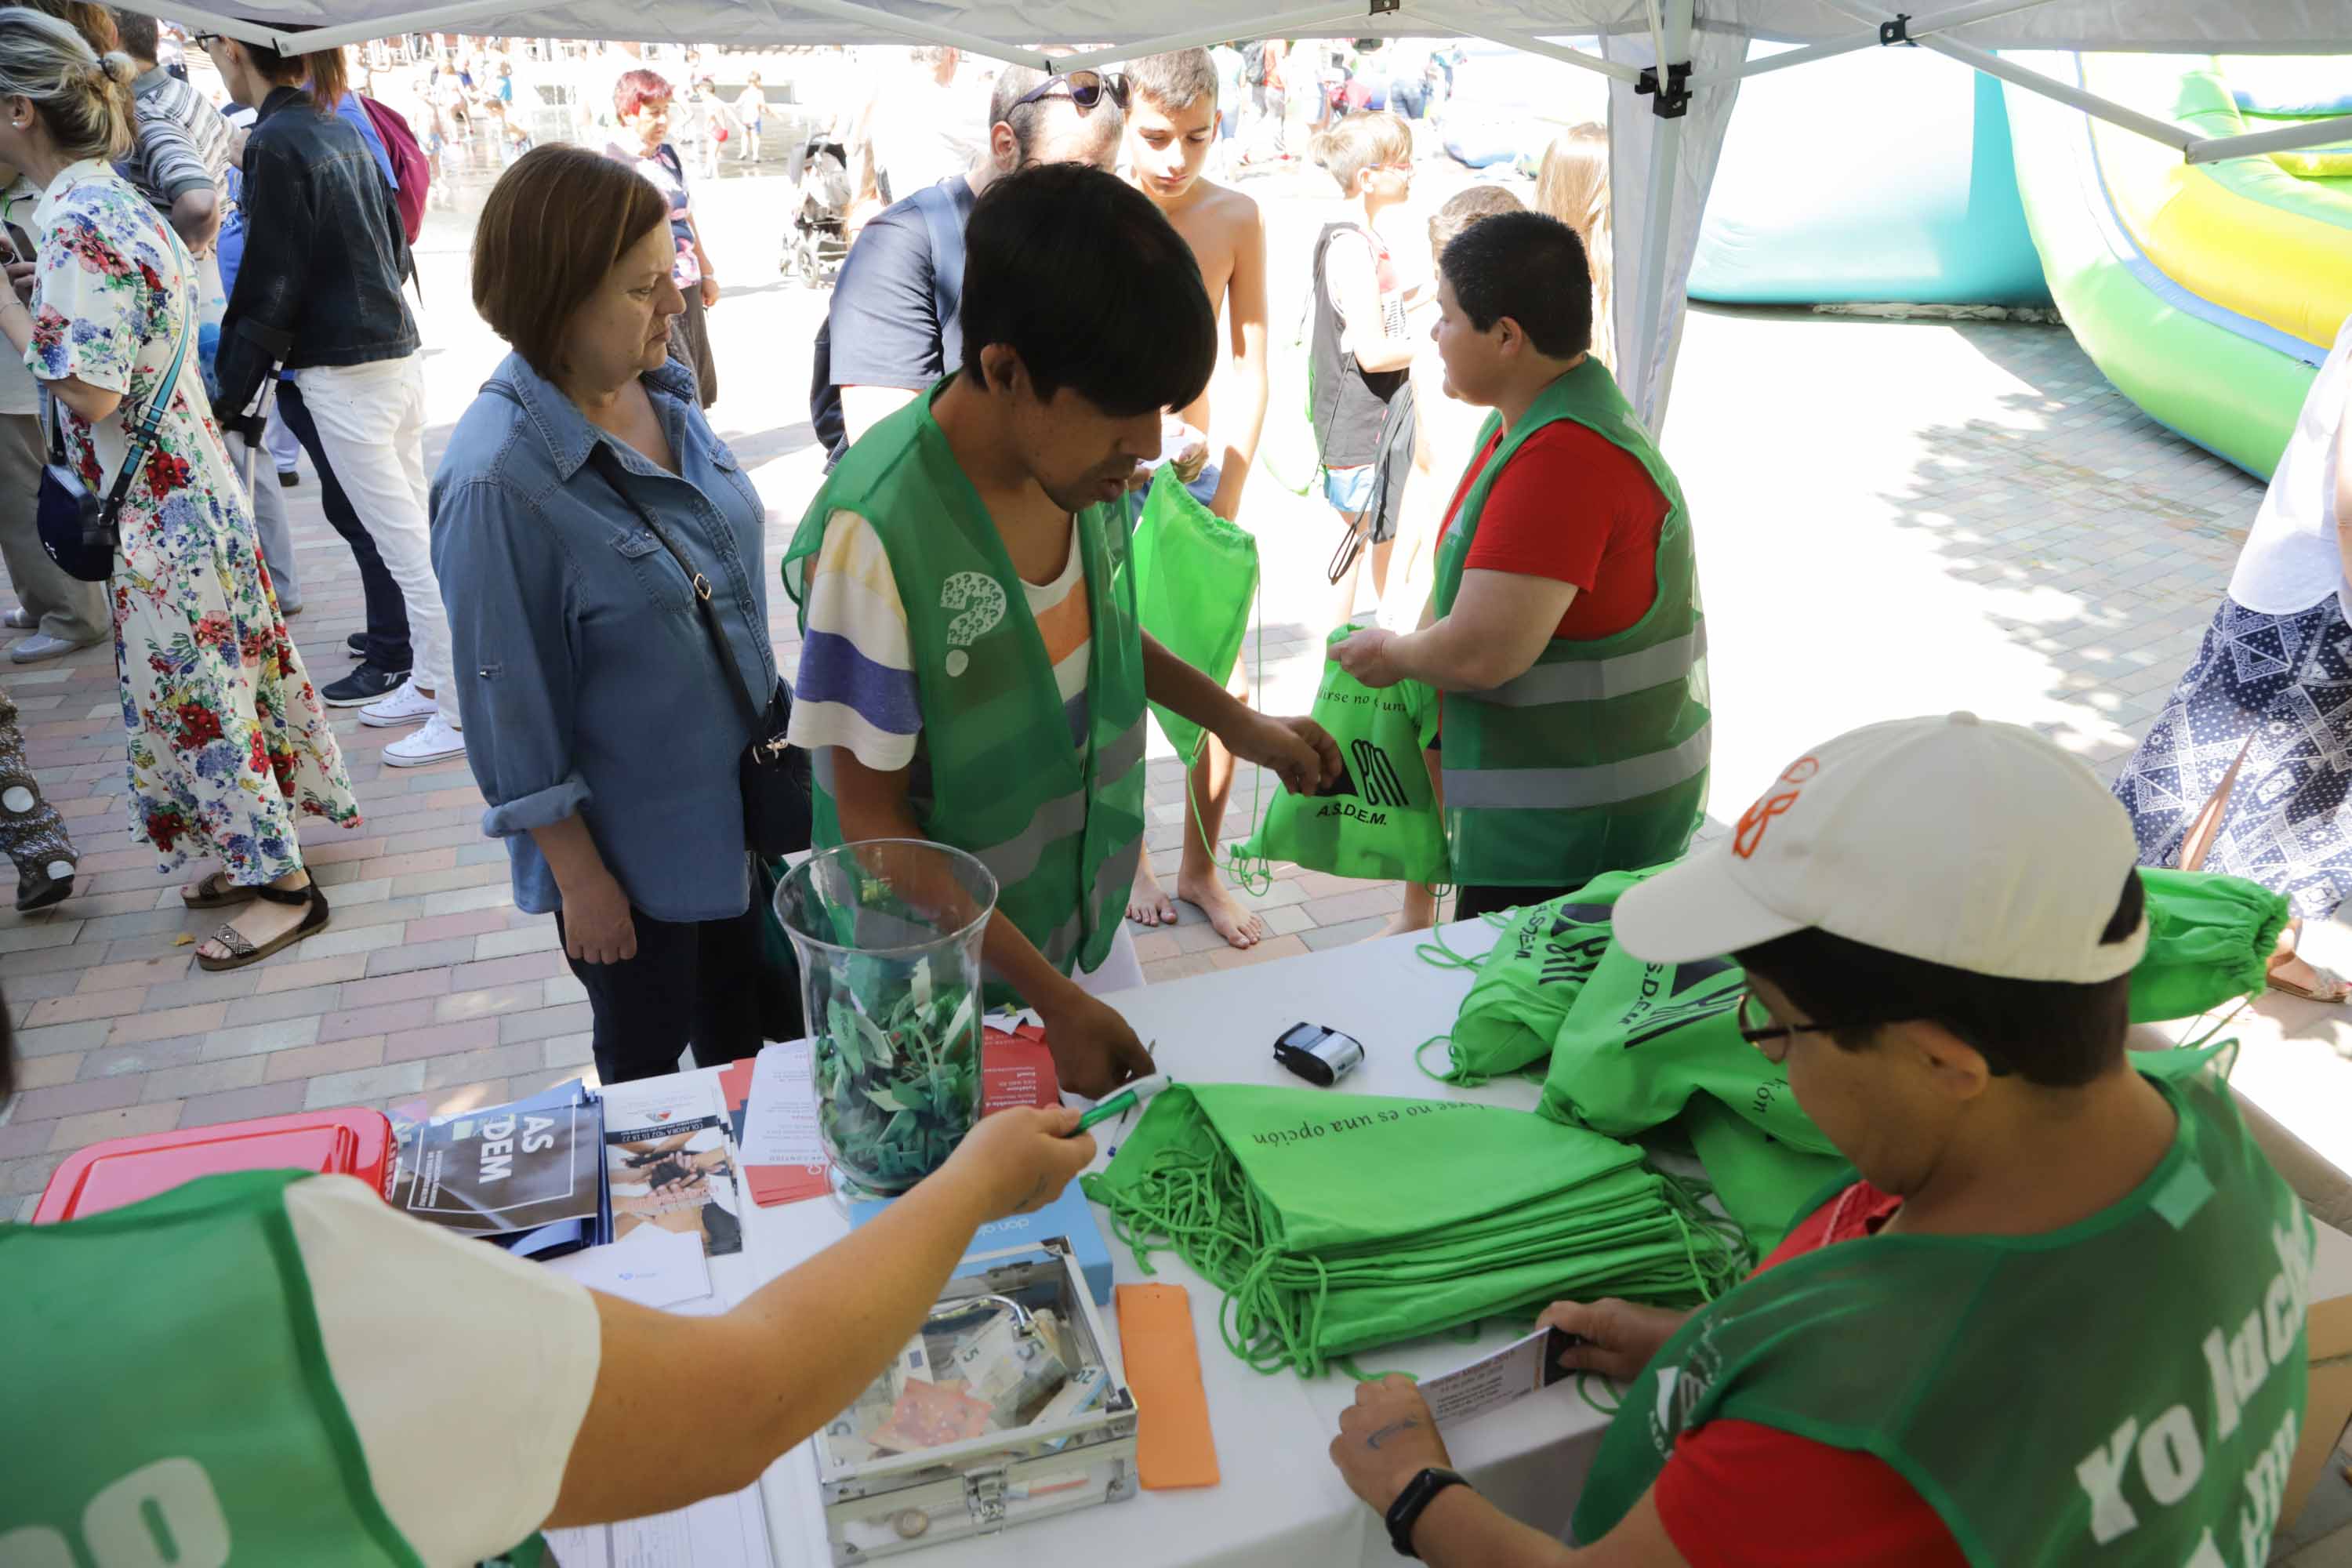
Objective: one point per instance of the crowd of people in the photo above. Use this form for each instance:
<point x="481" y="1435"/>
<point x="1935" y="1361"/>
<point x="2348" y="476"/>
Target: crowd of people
<point x="1014" y="344"/>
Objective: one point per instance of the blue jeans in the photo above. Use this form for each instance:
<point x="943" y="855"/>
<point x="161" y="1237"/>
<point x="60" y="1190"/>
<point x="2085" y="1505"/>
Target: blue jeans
<point x="1409" y="96"/>
<point x="1348" y="489"/>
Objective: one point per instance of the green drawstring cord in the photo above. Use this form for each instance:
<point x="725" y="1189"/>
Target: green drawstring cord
<point x="1458" y="1075"/>
<point x="1584" y="1392"/>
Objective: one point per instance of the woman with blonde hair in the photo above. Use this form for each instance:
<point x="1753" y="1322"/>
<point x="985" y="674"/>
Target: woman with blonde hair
<point x="229" y="748"/>
<point x="1573" y="186"/>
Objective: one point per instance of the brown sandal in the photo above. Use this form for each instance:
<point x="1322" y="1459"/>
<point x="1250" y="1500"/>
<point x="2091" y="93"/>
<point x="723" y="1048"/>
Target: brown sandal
<point x="243" y="953"/>
<point x="218" y="892"/>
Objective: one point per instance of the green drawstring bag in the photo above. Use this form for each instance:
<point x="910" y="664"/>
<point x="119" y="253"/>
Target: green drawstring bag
<point x="2210" y="939"/>
<point x="1336" y="1223"/>
<point x="1195" y="584"/>
<point x="1761" y="1182"/>
<point x="1641" y="1039"/>
<point x="1528" y="982"/>
<point x="1381" y="822"/>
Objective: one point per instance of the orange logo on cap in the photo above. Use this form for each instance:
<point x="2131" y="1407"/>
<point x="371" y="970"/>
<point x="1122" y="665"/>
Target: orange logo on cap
<point x="1770" y="805"/>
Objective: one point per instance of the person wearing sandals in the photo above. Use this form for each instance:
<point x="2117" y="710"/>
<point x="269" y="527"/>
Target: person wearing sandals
<point x="582" y="501"/>
<point x="229" y="748"/>
<point x="2247" y="768"/>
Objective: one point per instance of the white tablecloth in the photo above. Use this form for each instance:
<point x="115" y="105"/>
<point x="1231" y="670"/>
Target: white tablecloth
<point x="1280" y="1502"/>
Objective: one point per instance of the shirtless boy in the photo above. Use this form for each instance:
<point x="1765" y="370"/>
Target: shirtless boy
<point x="1172" y="125"/>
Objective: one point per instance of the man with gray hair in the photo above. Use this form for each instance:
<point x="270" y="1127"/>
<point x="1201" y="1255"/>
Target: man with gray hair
<point x="892" y="330"/>
<point x="182" y="147"/>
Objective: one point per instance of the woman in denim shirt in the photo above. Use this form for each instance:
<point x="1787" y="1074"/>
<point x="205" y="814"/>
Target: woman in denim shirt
<point x="603" y="730"/>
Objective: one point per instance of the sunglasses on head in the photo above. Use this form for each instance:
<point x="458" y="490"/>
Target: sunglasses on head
<point x="1084" y="90"/>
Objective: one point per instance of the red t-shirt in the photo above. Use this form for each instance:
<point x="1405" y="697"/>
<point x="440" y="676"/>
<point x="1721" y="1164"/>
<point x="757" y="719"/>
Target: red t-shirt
<point x="1574" y="506"/>
<point x="1739" y="1495"/>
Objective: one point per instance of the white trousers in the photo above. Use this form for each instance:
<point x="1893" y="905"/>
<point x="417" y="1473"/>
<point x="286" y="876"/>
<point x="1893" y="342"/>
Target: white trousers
<point x="371" y="420"/>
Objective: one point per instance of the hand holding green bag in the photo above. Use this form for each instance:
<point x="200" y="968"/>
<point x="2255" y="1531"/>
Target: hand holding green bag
<point x="1381" y="822"/>
<point x="1195" y="584"/>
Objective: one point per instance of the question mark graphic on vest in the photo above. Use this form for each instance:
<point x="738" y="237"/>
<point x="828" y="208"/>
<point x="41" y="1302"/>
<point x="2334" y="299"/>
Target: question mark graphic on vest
<point x="980" y="599"/>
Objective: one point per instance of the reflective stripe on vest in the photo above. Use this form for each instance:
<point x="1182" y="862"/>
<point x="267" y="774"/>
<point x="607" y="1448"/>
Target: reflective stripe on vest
<point x="1013" y="860"/>
<point x="1555" y="789"/>
<point x="1596" y="680"/>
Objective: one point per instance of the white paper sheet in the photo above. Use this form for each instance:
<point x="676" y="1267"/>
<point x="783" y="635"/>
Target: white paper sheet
<point x="779" y="1121"/>
<point x="1509" y="1374"/>
<point x="728" y="1531"/>
<point x="650" y="1266"/>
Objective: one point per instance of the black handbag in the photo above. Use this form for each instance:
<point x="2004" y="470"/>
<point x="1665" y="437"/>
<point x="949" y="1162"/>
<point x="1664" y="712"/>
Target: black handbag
<point x="774" y="774"/>
<point x="80" y="531"/>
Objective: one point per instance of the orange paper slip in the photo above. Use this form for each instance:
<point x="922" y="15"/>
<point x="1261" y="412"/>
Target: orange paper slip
<point x="1173" y="1447"/>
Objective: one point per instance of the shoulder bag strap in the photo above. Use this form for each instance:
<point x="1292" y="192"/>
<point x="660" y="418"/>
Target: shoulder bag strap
<point x="608" y="469"/>
<point x="159" y="403"/>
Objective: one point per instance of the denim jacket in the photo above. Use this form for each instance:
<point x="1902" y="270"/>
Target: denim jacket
<point x="324" y="252"/>
<point x="586" y="679"/>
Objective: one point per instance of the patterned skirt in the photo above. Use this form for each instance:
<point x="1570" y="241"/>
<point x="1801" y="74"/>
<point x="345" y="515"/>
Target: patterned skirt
<point x="2277" y="689"/>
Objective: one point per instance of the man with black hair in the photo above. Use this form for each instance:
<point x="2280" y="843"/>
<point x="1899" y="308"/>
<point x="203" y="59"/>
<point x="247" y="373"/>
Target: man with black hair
<point x="890" y="330"/>
<point x="1564" y="627"/>
<point x="973" y="671"/>
<point x="1923" y="1372"/>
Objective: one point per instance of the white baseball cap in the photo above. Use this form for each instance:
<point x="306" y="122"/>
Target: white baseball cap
<point x="1978" y="845"/>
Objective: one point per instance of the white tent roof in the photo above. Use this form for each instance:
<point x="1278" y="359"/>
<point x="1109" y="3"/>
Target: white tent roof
<point x="1662" y="153"/>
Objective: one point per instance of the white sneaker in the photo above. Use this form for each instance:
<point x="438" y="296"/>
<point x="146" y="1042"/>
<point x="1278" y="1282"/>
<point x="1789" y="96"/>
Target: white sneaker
<point x="404" y="704"/>
<point x="437" y="742"/>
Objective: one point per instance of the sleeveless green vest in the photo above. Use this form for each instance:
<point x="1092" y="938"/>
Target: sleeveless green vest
<point x="1595" y="760"/>
<point x="191" y="1417"/>
<point x="1061" y="826"/>
<point x="2128" y="1390"/>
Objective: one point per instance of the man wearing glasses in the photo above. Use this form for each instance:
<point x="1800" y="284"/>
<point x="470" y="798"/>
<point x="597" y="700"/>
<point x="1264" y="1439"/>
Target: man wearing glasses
<point x="891" y="331"/>
<point x="1923" y="1372"/>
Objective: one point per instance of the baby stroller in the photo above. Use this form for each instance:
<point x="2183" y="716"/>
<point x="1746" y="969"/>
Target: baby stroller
<point x="819" y="237"/>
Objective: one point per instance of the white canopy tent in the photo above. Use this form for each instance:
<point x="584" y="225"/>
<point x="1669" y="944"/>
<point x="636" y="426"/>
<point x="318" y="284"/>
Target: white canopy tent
<point x="1663" y="146"/>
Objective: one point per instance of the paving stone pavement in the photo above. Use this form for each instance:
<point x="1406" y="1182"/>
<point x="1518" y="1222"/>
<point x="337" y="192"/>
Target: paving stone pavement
<point x="1926" y="515"/>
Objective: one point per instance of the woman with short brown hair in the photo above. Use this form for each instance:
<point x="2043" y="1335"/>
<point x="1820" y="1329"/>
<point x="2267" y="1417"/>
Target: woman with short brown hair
<point x="583" y="505"/>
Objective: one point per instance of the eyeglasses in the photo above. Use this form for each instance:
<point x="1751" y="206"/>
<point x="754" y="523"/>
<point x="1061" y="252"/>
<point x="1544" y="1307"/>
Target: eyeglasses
<point x="1084" y="90"/>
<point x="1756" y="1028"/>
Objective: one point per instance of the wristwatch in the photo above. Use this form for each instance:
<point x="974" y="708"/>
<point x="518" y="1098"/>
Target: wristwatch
<point x="1405" y="1512"/>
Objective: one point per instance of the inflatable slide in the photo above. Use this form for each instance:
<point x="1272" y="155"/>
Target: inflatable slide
<point x="1819" y="200"/>
<point x="2208" y="293"/>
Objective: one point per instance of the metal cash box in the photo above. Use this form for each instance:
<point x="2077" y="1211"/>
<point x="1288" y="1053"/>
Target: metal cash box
<point x="1004" y="1313"/>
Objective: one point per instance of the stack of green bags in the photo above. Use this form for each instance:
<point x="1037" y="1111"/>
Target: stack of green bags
<point x="1637" y="1048"/>
<point x="1336" y="1223"/>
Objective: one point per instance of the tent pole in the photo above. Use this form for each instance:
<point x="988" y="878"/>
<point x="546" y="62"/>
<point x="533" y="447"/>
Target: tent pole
<point x="200" y="21"/>
<point x="1447" y="17"/>
<point x="2213" y="149"/>
<point x="2098" y="107"/>
<point x="1934" y="22"/>
<point x="1257" y="26"/>
<point x="1657" y="224"/>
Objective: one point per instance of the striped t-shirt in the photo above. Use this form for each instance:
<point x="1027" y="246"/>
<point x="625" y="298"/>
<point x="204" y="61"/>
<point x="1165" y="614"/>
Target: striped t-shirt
<point x="857" y="687"/>
<point x="183" y="142"/>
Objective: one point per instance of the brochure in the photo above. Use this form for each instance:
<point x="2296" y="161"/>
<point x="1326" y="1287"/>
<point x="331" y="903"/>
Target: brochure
<point x="669" y="1165"/>
<point x="528" y="1167"/>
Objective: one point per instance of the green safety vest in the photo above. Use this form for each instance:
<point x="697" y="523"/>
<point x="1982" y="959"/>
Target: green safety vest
<point x="1595" y="759"/>
<point x="1060" y="827"/>
<point x="2128" y="1390"/>
<point x="186" y="1410"/>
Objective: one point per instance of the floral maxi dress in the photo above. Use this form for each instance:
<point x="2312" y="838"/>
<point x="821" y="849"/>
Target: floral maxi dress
<point x="229" y="746"/>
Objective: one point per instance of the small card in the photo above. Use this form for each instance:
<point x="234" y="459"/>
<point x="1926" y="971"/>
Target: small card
<point x="1508" y="1375"/>
<point x="1016" y="1068"/>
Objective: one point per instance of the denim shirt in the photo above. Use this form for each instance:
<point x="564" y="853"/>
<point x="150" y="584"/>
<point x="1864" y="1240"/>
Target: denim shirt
<point x="586" y="679"/>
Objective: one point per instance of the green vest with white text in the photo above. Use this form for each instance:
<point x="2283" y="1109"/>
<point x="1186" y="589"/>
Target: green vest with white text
<point x="170" y="1398"/>
<point x="1595" y="759"/>
<point x="997" y="775"/>
<point x="2128" y="1390"/>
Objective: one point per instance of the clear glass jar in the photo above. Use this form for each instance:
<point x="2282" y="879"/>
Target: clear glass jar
<point x="887" y="933"/>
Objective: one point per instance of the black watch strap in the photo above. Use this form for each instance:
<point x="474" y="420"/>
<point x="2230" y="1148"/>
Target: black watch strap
<point x="1405" y="1512"/>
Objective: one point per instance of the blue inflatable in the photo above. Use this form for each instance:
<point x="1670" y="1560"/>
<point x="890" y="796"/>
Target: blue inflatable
<point x="1883" y="176"/>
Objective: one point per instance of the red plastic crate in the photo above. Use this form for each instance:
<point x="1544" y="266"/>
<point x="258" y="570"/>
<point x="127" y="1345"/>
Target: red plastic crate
<point x="123" y="1171"/>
